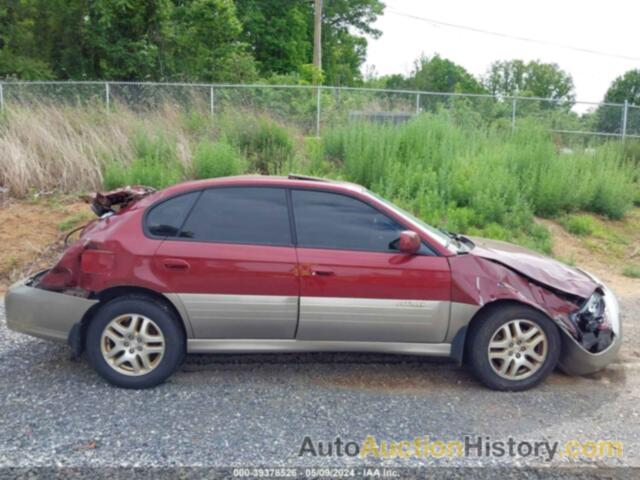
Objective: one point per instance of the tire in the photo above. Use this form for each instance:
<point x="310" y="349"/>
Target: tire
<point x="135" y="342"/>
<point x="503" y="371"/>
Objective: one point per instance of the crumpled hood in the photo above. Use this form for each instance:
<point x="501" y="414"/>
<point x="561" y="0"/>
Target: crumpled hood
<point x="540" y="268"/>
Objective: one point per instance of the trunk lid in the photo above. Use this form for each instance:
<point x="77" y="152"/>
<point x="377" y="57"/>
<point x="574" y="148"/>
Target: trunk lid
<point x="118" y="199"/>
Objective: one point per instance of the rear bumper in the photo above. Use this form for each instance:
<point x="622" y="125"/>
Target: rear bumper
<point x="42" y="313"/>
<point x="575" y="360"/>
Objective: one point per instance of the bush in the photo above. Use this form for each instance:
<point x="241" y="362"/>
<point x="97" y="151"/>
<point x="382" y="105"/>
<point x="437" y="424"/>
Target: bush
<point x="579" y="224"/>
<point x="436" y="165"/>
<point x="631" y="271"/>
<point x="267" y="145"/>
<point x="155" y="164"/>
<point x="219" y="159"/>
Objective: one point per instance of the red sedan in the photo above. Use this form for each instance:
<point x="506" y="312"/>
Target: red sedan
<point x="296" y="264"/>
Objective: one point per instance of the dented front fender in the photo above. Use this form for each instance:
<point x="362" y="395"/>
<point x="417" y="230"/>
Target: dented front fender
<point x="481" y="281"/>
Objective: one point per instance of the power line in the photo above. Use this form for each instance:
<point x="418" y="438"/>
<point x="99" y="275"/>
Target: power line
<point x="512" y="37"/>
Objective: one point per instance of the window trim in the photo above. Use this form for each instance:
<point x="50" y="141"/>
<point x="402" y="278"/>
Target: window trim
<point x="431" y="251"/>
<point x="219" y="187"/>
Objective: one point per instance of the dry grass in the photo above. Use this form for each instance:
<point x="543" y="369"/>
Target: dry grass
<point x="46" y="148"/>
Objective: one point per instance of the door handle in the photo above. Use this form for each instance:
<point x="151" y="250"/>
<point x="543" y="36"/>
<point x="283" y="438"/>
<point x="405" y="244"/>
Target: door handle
<point x="175" y="264"/>
<point x="321" y="272"/>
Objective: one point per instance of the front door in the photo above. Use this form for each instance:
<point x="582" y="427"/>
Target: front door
<point x="355" y="286"/>
<point x="233" y="265"/>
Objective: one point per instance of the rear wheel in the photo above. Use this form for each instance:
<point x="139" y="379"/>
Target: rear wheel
<point x="513" y="348"/>
<point x="135" y="342"/>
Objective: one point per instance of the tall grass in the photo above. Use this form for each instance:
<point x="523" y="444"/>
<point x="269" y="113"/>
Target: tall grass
<point x="220" y="159"/>
<point x="502" y="177"/>
<point x="155" y="162"/>
<point x="448" y="169"/>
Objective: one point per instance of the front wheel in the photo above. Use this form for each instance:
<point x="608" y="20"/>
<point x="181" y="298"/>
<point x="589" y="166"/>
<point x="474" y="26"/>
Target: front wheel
<point x="513" y="348"/>
<point x="134" y="342"/>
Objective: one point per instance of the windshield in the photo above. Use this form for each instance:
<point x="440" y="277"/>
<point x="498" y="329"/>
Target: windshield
<point x="445" y="239"/>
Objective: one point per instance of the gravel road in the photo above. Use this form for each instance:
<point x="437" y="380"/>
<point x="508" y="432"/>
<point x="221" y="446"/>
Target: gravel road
<point x="255" y="410"/>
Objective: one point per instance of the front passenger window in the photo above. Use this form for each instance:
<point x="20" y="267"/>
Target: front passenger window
<point x="329" y="220"/>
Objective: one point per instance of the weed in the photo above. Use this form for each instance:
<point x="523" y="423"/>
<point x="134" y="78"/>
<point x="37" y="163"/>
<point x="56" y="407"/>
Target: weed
<point x="74" y="220"/>
<point x="631" y="271"/>
<point x="579" y="224"/>
<point x="155" y="164"/>
<point x="266" y="144"/>
<point x="447" y="167"/>
<point x="217" y="160"/>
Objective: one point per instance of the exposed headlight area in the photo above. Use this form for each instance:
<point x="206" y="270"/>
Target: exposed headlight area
<point x="593" y="329"/>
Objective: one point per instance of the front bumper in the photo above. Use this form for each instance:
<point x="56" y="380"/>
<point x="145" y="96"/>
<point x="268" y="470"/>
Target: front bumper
<point x="575" y="360"/>
<point x="42" y="313"/>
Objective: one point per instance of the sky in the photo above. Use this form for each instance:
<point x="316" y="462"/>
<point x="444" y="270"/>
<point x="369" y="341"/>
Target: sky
<point x="611" y="27"/>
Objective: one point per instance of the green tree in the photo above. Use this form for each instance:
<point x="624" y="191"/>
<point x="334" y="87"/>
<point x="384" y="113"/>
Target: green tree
<point x="532" y="79"/>
<point x="20" y="55"/>
<point x="344" y="45"/>
<point x="127" y="38"/>
<point x="207" y="42"/>
<point x="278" y="32"/>
<point x="437" y="74"/>
<point x="625" y="87"/>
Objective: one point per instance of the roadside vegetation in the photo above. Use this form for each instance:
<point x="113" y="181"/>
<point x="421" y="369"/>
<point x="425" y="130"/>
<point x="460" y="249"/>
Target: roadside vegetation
<point x="455" y="173"/>
<point x="631" y="271"/>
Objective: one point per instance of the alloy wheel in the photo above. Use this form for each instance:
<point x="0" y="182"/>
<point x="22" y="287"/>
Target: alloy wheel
<point x="518" y="349"/>
<point x="132" y="344"/>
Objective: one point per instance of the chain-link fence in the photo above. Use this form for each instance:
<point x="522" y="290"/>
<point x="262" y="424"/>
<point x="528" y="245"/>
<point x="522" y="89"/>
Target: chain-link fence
<point x="312" y="109"/>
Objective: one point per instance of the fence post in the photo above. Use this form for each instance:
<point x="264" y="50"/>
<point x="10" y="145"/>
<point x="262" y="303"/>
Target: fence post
<point x="513" y="115"/>
<point x="107" y="96"/>
<point x="318" y="95"/>
<point x="625" y="112"/>
<point x="211" y="101"/>
<point x="1" y="97"/>
<point x="417" y="104"/>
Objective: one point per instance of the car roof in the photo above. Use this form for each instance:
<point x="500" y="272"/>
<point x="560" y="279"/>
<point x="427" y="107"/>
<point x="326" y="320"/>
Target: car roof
<point x="292" y="181"/>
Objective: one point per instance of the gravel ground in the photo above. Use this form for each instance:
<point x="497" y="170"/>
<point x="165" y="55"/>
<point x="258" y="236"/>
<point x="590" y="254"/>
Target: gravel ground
<point x="255" y="410"/>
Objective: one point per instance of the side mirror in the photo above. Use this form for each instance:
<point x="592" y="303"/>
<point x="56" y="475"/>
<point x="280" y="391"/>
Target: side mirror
<point x="409" y="242"/>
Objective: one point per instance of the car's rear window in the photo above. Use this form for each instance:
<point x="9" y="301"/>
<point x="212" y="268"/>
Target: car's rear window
<point x="166" y="218"/>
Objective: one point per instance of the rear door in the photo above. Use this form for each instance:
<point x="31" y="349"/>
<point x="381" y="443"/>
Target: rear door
<point x="355" y="286"/>
<point x="232" y="263"/>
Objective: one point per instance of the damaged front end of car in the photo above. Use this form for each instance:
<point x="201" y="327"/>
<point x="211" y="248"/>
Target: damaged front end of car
<point x="597" y="335"/>
<point x="584" y="309"/>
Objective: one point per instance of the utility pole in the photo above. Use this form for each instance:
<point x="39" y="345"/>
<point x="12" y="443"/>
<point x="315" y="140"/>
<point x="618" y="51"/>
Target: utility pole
<point x="317" y="36"/>
<point x="317" y="60"/>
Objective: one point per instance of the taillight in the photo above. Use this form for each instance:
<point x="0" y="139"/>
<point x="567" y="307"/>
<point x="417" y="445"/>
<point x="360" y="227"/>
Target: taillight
<point x="65" y="273"/>
<point x="96" y="261"/>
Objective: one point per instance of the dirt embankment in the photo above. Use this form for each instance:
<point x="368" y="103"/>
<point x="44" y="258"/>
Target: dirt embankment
<point x="614" y="247"/>
<point x="32" y="234"/>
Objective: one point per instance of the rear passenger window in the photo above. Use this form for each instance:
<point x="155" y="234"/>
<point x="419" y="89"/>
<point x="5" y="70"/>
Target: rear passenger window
<point x="240" y="215"/>
<point x="165" y="219"/>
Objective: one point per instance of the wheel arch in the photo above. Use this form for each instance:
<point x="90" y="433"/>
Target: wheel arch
<point x="460" y="341"/>
<point x="78" y="332"/>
